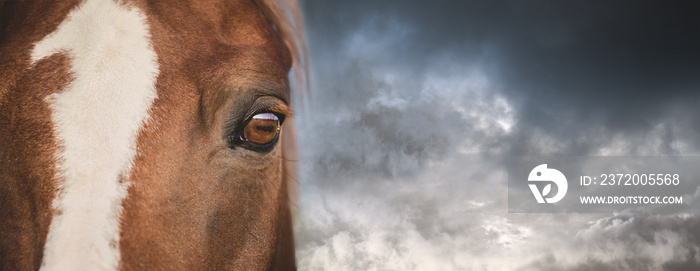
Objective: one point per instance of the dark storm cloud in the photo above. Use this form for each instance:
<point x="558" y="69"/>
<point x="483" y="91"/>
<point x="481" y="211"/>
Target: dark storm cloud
<point x="627" y="50"/>
<point x="569" y="67"/>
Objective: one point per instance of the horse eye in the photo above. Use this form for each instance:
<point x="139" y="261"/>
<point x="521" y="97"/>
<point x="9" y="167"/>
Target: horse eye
<point x="262" y="130"/>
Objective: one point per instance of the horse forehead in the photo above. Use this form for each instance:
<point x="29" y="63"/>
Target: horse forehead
<point x="96" y="118"/>
<point x="220" y="42"/>
<point x="216" y="27"/>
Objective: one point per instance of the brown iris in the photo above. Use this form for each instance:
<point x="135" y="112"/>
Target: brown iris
<point x="262" y="129"/>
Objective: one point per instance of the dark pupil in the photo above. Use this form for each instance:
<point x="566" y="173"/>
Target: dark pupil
<point x="261" y="131"/>
<point x="267" y="128"/>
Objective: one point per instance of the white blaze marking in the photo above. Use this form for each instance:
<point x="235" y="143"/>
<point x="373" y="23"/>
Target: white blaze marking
<point x="96" y="121"/>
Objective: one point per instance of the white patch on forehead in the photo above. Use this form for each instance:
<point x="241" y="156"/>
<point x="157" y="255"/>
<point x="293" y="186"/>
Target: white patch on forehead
<point x="96" y="120"/>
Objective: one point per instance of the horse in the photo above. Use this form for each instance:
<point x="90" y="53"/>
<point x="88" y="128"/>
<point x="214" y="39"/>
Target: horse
<point x="147" y="135"/>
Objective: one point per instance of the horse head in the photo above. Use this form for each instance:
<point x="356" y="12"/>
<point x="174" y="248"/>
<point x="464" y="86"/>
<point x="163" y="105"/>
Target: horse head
<point x="145" y="135"/>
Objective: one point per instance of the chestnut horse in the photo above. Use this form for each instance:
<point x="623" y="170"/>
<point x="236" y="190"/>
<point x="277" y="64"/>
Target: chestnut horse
<point x="146" y="135"/>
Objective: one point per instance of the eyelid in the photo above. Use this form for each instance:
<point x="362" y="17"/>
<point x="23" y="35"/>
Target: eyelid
<point x="270" y="105"/>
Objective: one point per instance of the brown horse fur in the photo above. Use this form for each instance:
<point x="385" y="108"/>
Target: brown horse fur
<point x="194" y="202"/>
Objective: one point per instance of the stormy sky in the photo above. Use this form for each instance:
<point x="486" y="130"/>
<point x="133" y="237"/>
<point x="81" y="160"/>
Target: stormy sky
<point x="414" y="106"/>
